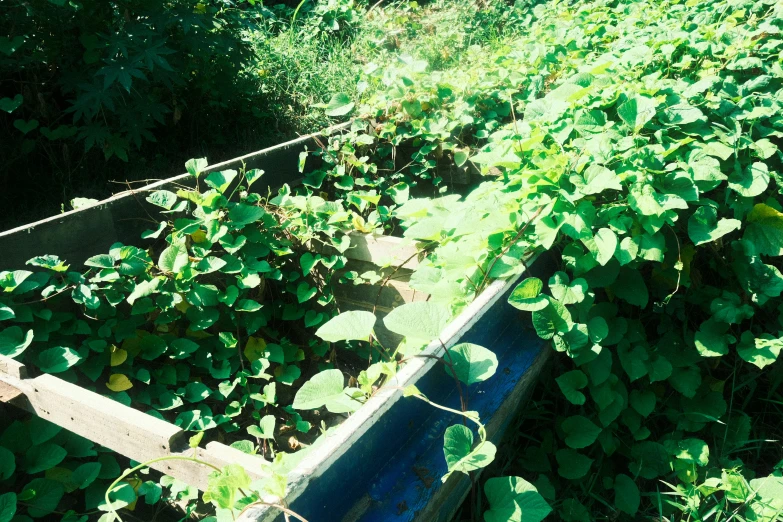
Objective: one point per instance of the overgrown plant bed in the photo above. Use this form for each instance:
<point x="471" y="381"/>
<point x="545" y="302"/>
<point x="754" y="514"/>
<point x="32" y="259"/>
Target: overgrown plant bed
<point x="225" y="325"/>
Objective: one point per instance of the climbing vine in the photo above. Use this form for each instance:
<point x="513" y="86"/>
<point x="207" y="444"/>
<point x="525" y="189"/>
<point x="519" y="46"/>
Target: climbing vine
<point x="639" y="141"/>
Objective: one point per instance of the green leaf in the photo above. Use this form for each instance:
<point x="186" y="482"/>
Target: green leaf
<point x="420" y="320"/>
<point x="14" y="341"/>
<point x="202" y="318"/>
<point x="305" y="292"/>
<point x="9" y="105"/>
<point x="6" y="313"/>
<point x="58" y="359"/>
<point x="242" y="214"/>
<point x="704" y="226"/>
<point x="182" y="347"/>
<point x="339" y="105"/>
<point x="513" y="499"/>
<point x="572" y="465"/>
<point x="307" y="262"/>
<point x="765" y="230"/>
<point x="26" y="126"/>
<point x="760" y="351"/>
<point x="43" y="457"/>
<point x="768" y="502"/>
<point x="712" y="340"/>
<point x="7" y="506"/>
<point x="567" y="292"/>
<point x="637" y="111"/>
<point x="694" y="451"/>
<point x="602" y="245"/>
<point x="626" y="495"/>
<point x="174" y="258"/>
<point x="225" y="486"/>
<point x="554" y="319"/>
<point x="41" y="430"/>
<point x="682" y="114"/>
<point x="347" y="326"/>
<point x="321" y="389"/>
<point x="569" y="383"/>
<point x="580" y="431"/>
<point x="196" y="392"/>
<point x="598" y="178"/>
<point x="686" y="380"/>
<point x="459" y="451"/>
<point x="220" y="181"/>
<point x="460" y="157"/>
<point x="10" y="281"/>
<point x="751" y="181"/>
<point x="43" y="496"/>
<point x="729" y="308"/>
<point x="163" y="198"/>
<point x="247" y="305"/>
<point x="100" y="261"/>
<point x="253" y="175"/>
<point x="472" y="363"/>
<point x="86" y="474"/>
<point x="265" y="429"/>
<point x="50" y="262"/>
<point x="195" y="440"/>
<point x="643" y="401"/>
<point x="7" y="463"/>
<point x="527" y="295"/>
<point x="631" y="287"/>
<point x="196" y="166"/>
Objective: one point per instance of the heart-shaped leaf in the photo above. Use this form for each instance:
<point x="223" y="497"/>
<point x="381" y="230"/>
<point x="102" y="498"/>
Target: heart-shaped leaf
<point x="10" y="105"/>
<point x="26" y="126"/>
<point x="471" y="363"/>
<point x="339" y="105"/>
<point x="348" y="326"/>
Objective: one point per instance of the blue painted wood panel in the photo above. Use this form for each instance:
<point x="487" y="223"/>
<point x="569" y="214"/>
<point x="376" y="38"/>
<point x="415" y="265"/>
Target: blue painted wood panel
<point x="394" y="470"/>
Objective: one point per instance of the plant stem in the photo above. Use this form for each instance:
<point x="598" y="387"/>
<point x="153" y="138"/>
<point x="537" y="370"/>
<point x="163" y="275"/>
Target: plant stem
<point x="146" y="465"/>
<point x="508" y="247"/>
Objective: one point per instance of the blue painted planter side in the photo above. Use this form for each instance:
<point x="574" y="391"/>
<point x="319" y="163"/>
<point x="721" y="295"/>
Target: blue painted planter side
<point x="399" y="461"/>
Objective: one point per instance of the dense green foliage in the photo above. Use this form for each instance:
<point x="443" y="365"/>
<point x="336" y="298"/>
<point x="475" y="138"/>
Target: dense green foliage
<point x="647" y="155"/>
<point x="96" y="93"/>
<point x="638" y="140"/>
<point x="84" y="82"/>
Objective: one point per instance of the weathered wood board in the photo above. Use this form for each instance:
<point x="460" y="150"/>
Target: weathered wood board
<point x="125" y="430"/>
<point x="78" y="234"/>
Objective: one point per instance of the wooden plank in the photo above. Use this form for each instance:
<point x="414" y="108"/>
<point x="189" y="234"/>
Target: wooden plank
<point x="78" y="234"/>
<point x="8" y="392"/>
<point x="382" y="251"/>
<point x="216" y="454"/>
<point x="12" y="367"/>
<point x="102" y="420"/>
<point x="377" y="250"/>
<point x="127" y="431"/>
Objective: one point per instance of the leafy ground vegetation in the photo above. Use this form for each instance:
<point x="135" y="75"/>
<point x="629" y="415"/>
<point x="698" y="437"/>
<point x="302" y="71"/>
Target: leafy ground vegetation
<point x="637" y="140"/>
<point x="95" y="92"/>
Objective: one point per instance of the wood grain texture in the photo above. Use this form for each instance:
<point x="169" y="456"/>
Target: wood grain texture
<point x="129" y="432"/>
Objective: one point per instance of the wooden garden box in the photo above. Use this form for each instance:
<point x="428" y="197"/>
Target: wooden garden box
<point x="382" y="463"/>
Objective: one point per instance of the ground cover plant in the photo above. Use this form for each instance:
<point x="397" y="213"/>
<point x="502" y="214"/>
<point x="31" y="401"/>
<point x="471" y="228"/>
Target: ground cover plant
<point x="647" y="154"/>
<point x="640" y="141"/>
<point x="95" y="93"/>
